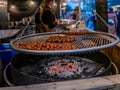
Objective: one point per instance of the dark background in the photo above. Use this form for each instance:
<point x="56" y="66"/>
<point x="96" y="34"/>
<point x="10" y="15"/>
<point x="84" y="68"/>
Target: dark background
<point x="22" y="9"/>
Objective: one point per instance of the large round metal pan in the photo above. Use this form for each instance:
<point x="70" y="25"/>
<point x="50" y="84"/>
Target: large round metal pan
<point x="91" y="41"/>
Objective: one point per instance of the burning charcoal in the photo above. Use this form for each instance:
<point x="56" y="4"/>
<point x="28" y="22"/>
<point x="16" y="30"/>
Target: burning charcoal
<point x="59" y="67"/>
<point x="81" y="65"/>
<point x="86" y="69"/>
<point x="74" y="72"/>
<point x="71" y="61"/>
<point x="63" y="64"/>
<point x="62" y="61"/>
<point x="70" y="66"/>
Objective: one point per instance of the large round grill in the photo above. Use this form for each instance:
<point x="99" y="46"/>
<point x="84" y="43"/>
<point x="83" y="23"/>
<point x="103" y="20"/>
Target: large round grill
<point x="90" y="41"/>
<point x="60" y="65"/>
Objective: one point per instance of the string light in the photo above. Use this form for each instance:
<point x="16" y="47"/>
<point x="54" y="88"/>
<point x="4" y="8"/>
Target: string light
<point x="31" y="2"/>
<point x="12" y="6"/>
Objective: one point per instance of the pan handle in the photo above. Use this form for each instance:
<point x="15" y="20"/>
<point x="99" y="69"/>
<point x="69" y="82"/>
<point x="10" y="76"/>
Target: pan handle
<point x="5" y="76"/>
<point x="116" y="69"/>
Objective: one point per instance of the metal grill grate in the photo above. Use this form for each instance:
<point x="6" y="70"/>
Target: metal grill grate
<point x="90" y="41"/>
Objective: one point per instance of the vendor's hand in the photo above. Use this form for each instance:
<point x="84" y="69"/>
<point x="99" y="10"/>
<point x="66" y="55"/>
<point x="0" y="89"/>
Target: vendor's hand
<point x="54" y="30"/>
<point x="59" y="21"/>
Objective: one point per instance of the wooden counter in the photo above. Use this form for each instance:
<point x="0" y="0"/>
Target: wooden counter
<point x="98" y="83"/>
<point x="114" y="54"/>
<point x="84" y="84"/>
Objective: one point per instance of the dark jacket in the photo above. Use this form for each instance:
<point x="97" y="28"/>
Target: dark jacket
<point x="48" y="19"/>
<point x="37" y="16"/>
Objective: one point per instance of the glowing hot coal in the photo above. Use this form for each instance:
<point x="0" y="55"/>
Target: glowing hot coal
<point x="63" y="68"/>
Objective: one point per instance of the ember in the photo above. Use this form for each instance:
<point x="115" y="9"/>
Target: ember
<point x="63" y="68"/>
<point x="59" y="68"/>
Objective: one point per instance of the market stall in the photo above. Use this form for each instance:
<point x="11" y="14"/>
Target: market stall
<point x="73" y="59"/>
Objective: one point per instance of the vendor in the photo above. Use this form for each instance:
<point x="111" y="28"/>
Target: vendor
<point x="47" y="17"/>
<point x="75" y="13"/>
